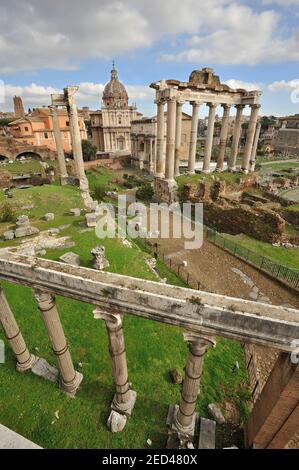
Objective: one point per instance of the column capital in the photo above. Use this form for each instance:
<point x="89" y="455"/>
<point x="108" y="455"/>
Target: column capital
<point x="226" y="105"/>
<point x="199" y="340"/>
<point x="212" y="105"/>
<point x="240" y="106"/>
<point x="255" y="106"/>
<point x="113" y="319"/>
<point x="44" y="299"/>
<point x="161" y="101"/>
<point x="180" y="102"/>
<point x="195" y="103"/>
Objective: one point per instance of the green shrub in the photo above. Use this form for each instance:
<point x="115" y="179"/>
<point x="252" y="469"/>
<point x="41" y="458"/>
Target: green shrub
<point x="145" y="192"/>
<point x="99" y="192"/>
<point x="7" y="213"/>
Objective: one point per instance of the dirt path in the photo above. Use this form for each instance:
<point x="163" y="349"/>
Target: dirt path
<point x="217" y="271"/>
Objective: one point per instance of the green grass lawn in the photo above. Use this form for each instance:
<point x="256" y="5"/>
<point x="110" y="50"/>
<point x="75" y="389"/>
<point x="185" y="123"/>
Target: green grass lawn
<point x="28" y="403"/>
<point x="229" y="178"/>
<point x="274" y="166"/>
<point x="30" y="166"/>
<point x="286" y="256"/>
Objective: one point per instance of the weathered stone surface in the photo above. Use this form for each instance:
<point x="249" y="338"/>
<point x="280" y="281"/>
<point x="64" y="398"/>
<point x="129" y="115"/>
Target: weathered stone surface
<point x="49" y="216"/>
<point x="11" y="440"/>
<point x="26" y="231"/>
<point x="43" y="369"/>
<point x="175" y="376"/>
<point x="216" y="413"/>
<point x="9" y="235"/>
<point x="207" y="434"/>
<point x="70" y="258"/>
<point x="53" y="231"/>
<point x="91" y="219"/>
<point x="116" y="422"/>
<point x="76" y="212"/>
<point x="99" y="261"/>
<point x="22" y="220"/>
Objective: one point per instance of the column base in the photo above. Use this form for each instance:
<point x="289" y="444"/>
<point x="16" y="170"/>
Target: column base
<point x="178" y="436"/>
<point x="233" y="169"/>
<point x="27" y="365"/>
<point x="71" y="387"/>
<point x="127" y="407"/>
<point x="219" y="170"/>
<point x="64" y="180"/>
<point x="206" y="171"/>
<point x="245" y="171"/>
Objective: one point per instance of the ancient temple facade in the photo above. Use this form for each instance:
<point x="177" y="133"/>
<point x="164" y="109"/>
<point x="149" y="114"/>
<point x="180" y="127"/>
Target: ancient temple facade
<point x="111" y="126"/>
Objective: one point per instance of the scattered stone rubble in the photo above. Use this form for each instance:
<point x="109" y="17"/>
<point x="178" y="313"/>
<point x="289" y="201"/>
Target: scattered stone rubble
<point x="255" y="293"/>
<point x="23" y="229"/>
<point x="216" y="413"/>
<point x="70" y="258"/>
<point x="75" y="212"/>
<point x="99" y="261"/>
<point x="49" y="216"/>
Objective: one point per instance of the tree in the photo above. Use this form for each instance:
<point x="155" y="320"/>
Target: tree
<point x="89" y="150"/>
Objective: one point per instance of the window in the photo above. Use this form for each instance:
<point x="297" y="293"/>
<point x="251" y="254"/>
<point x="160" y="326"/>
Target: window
<point x="46" y="135"/>
<point x="26" y="128"/>
<point x="67" y="124"/>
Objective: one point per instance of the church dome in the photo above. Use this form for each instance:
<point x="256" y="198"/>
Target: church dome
<point x="115" y="94"/>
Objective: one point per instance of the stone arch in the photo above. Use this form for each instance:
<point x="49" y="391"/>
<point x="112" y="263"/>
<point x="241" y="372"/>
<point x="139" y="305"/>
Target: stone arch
<point x="31" y="154"/>
<point x="3" y="158"/>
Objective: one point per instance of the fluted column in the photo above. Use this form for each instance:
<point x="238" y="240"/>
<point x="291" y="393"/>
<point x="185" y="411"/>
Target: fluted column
<point x="160" y="157"/>
<point x="178" y="137"/>
<point x="193" y="137"/>
<point x="255" y="146"/>
<point x="124" y="398"/>
<point x="209" y="139"/>
<point x="236" y="138"/>
<point x="223" y="137"/>
<point x="170" y="139"/>
<point x="250" y="136"/>
<point x="25" y="360"/>
<point x="184" y="421"/>
<point x="59" y="144"/>
<point x="69" y="378"/>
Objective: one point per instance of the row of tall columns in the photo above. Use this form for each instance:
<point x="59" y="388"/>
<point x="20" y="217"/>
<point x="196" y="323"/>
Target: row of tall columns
<point x="170" y="168"/>
<point x="124" y="399"/>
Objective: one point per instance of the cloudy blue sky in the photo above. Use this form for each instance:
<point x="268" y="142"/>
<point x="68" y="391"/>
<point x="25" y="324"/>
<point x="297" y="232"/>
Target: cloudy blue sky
<point x="47" y="44"/>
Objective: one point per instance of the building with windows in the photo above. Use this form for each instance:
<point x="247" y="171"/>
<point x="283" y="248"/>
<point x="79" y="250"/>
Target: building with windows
<point x="111" y="126"/>
<point x="144" y="140"/>
<point x="37" y="129"/>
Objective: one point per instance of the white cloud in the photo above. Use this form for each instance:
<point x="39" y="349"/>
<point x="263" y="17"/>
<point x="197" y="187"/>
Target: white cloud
<point x="284" y="85"/>
<point x="281" y="3"/>
<point x="246" y="85"/>
<point x="39" y="34"/>
<point x="89" y="94"/>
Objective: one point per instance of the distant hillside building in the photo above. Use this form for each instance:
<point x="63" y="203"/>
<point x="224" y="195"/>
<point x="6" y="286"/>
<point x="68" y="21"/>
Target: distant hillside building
<point x="37" y="129"/>
<point x="19" y="110"/>
<point x="111" y="126"/>
<point x="144" y="140"/>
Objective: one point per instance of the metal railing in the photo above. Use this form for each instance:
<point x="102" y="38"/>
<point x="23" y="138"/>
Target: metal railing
<point x="283" y="273"/>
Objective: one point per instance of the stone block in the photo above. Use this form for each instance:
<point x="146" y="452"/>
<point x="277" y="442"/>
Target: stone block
<point x="216" y="413"/>
<point x="22" y="220"/>
<point x="9" y="235"/>
<point x="91" y="219"/>
<point x="116" y="422"/>
<point x="49" y="216"/>
<point x="99" y="261"/>
<point x="26" y="231"/>
<point x="70" y="258"/>
<point x="75" y="212"/>
<point x="43" y="369"/>
<point x="207" y="434"/>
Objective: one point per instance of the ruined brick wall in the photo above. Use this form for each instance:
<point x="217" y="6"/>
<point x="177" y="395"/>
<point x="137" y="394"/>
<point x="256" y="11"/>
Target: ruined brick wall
<point x="291" y="216"/>
<point x="259" y="223"/>
<point x="5" y="179"/>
